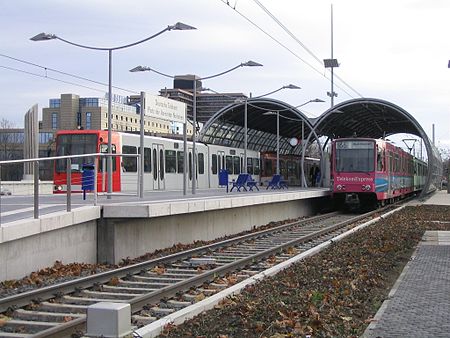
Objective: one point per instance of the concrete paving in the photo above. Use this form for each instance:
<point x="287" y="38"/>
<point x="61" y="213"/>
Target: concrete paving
<point x="441" y="197"/>
<point x="419" y="303"/>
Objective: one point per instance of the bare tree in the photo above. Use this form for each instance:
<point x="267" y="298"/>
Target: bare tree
<point x="6" y="138"/>
<point x="11" y="148"/>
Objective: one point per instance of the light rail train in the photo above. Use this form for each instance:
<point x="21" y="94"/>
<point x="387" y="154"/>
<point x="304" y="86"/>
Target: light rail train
<point x="371" y="172"/>
<point x="164" y="162"/>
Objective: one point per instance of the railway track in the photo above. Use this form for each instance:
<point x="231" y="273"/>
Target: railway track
<point x="159" y="287"/>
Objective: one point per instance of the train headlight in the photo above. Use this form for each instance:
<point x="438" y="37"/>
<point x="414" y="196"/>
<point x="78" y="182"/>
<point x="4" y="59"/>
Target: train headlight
<point x="58" y="188"/>
<point x="340" y="187"/>
<point x="366" y="187"/>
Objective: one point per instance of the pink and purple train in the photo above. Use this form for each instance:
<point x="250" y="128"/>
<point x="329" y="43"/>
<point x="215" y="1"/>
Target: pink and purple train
<point x="372" y="172"/>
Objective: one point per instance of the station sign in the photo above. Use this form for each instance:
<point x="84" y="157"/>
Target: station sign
<point x="160" y="107"/>
<point x="354" y="144"/>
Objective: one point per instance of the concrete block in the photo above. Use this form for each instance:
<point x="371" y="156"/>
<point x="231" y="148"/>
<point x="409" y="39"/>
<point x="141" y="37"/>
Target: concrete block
<point x="106" y="319"/>
<point x="130" y="211"/>
<point x="196" y="206"/>
<point x="213" y="204"/>
<point x="225" y="203"/>
<point x="237" y="202"/>
<point x="179" y="208"/>
<point x="85" y="214"/>
<point x="159" y="209"/>
<point x="20" y="229"/>
<point x="56" y="220"/>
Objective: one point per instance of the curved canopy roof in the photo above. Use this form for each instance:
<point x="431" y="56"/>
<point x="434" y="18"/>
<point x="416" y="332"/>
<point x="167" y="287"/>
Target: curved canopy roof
<point x="367" y="117"/>
<point x="364" y="117"/>
<point x="227" y="126"/>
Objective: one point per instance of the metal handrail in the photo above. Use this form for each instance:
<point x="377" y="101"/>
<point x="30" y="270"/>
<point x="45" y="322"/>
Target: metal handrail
<point x="68" y="158"/>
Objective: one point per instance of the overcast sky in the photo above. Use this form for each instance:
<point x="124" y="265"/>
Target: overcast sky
<point x="392" y="50"/>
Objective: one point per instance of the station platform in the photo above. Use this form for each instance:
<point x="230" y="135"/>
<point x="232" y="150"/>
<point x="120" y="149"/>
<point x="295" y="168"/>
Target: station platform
<point x="126" y="226"/>
<point x="441" y="197"/>
<point x="419" y="303"/>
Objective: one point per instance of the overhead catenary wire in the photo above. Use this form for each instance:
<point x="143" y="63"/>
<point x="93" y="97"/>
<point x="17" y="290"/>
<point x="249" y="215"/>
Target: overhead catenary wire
<point x="50" y="78"/>
<point x="59" y="72"/>
<point x="301" y="43"/>
<point x="283" y="46"/>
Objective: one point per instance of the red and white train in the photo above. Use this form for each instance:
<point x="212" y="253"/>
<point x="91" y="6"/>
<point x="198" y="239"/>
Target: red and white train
<point x="163" y="162"/>
<point x="370" y="172"/>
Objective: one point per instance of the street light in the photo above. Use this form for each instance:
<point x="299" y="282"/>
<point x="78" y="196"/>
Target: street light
<point x="289" y="86"/>
<point x="46" y="37"/>
<point x="277" y="113"/>
<point x="194" y="106"/>
<point x="310" y="101"/>
<point x="331" y="63"/>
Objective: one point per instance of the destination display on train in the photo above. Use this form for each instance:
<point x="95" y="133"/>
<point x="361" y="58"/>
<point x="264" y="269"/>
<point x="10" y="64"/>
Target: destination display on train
<point x="165" y="109"/>
<point x="354" y="145"/>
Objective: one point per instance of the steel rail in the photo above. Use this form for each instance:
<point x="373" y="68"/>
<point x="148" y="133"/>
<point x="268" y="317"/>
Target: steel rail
<point x="139" y="302"/>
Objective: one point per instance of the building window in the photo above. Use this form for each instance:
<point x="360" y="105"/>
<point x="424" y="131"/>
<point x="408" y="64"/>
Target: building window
<point x="54" y="120"/>
<point x="88" y="120"/>
<point x="55" y="103"/>
<point x="79" y="119"/>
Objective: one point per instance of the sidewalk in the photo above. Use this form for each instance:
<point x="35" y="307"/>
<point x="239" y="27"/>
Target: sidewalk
<point x="441" y="197"/>
<point x="419" y="303"/>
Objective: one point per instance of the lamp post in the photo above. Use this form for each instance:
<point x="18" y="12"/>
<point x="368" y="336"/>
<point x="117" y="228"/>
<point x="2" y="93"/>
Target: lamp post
<point x="277" y="113"/>
<point x="289" y="86"/>
<point x="45" y="37"/>
<point x="194" y="107"/>
<point x="331" y="63"/>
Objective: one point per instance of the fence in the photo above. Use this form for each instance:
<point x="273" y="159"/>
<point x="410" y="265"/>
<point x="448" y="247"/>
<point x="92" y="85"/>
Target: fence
<point x="68" y="159"/>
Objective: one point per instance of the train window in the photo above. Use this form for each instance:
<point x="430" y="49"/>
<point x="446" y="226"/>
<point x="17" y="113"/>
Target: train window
<point x="180" y="161"/>
<point x="190" y="166"/>
<point x="250" y="165"/>
<point x="214" y="164"/>
<point x="291" y="169"/>
<point x="75" y="144"/>
<point x="391" y="162"/>
<point x="268" y="168"/>
<point x="283" y="169"/>
<point x="147" y="160"/>
<point x="161" y="163"/>
<point x="104" y="150"/>
<point x="256" y="167"/>
<point x="129" y="163"/>
<point x="201" y="163"/>
<point x="155" y="165"/>
<point x="380" y="159"/>
<point x="171" y="161"/>
<point x="236" y="165"/>
<point x="355" y="156"/>
<point x="229" y="164"/>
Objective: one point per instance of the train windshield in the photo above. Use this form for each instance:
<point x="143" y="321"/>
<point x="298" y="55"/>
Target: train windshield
<point x="75" y="144"/>
<point x="355" y="156"/>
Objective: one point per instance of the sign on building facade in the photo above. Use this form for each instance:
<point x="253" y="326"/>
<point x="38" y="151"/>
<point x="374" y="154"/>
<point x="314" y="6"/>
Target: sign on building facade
<point x="160" y="107"/>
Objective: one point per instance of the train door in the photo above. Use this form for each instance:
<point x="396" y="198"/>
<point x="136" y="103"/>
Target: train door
<point x="217" y="160"/>
<point x="221" y="160"/>
<point x="389" y="171"/>
<point x="158" y="166"/>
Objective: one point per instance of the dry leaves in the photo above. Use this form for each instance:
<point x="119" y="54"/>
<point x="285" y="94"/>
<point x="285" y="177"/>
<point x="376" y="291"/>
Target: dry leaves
<point x="333" y="294"/>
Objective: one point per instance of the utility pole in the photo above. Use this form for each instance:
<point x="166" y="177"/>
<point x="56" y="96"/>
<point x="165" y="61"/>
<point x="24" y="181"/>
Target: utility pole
<point x="331" y="63"/>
